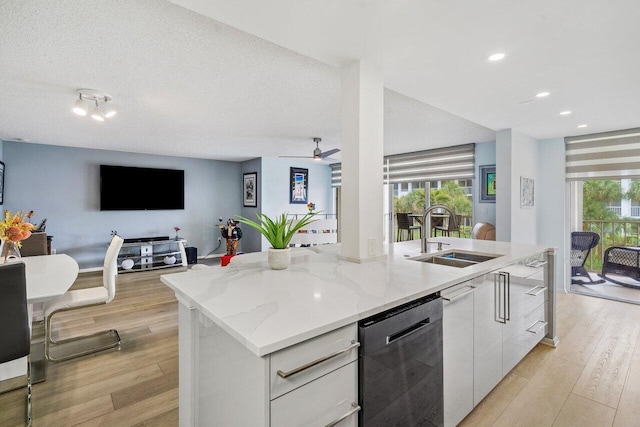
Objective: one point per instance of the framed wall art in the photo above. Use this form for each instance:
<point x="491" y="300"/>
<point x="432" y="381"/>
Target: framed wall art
<point x="488" y="184"/>
<point x="526" y="192"/>
<point x="1" y="183"/>
<point x="298" y="186"/>
<point x="250" y="190"/>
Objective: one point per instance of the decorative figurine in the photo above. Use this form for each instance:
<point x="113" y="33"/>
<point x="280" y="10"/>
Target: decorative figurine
<point x="232" y="233"/>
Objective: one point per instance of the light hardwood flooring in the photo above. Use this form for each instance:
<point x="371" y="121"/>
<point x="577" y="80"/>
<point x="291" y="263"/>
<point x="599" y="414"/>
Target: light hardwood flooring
<point x="591" y="379"/>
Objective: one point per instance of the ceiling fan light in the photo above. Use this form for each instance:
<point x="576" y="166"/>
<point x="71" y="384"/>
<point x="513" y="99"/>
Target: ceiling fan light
<point x="80" y="107"/>
<point x="98" y="114"/>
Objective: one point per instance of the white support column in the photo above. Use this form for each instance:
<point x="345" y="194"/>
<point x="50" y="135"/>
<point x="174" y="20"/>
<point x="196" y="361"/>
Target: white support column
<point x="362" y="160"/>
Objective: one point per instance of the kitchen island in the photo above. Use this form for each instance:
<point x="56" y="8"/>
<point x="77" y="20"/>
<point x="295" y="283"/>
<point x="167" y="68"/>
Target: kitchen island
<point x="241" y="324"/>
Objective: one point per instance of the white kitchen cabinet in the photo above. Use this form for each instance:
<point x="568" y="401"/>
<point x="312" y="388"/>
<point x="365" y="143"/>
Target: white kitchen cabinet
<point x="221" y="380"/>
<point x="487" y="337"/>
<point x="509" y="319"/>
<point x="457" y="340"/>
<point x="328" y="399"/>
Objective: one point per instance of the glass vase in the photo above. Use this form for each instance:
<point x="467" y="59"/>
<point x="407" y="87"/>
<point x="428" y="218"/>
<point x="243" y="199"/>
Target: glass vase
<point x="9" y="251"/>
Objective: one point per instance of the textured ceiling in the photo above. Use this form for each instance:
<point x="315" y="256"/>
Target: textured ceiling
<point x="585" y="52"/>
<point x="183" y="85"/>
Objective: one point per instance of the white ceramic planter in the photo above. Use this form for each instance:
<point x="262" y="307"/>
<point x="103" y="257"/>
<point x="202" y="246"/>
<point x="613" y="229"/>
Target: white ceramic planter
<point x="279" y="259"/>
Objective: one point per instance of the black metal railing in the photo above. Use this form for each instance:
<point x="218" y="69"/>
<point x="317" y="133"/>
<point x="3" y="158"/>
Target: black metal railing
<point x="613" y="232"/>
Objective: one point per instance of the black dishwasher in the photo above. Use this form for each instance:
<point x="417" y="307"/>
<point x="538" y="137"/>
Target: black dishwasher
<point x="400" y="365"/>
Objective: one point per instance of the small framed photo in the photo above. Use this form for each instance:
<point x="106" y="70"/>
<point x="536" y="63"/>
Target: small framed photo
<point x="488" y="184"/>
<point x="1" y="183"/>
<point x="299" y="185"/>
<point x="527" y="192"/>
<point x="250" y="190"/>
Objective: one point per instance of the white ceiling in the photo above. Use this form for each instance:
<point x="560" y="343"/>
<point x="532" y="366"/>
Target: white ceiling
<point x="585" y="52"/>
<point x="187" y="85"/>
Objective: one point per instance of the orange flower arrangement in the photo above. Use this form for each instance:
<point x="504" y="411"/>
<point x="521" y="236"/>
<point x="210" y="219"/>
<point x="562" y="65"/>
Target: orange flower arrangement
<point x="16" y="228"/>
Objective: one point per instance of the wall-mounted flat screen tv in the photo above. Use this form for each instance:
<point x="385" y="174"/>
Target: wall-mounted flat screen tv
<point x="124" y="188"/>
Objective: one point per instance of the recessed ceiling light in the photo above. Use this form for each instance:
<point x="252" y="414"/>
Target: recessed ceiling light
<point x="496" y="57"/>
<point x="565" y="113"/>
<point x="542" y="94"/>
<point x="582" y="126"/>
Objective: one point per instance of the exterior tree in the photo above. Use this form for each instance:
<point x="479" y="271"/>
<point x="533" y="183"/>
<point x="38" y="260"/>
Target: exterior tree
<point x="451" y="195"/>
<point x="597" y="195"/>
<point x="634" y="191"/>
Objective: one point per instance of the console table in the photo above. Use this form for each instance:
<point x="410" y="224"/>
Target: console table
<point x="150" y="253"/>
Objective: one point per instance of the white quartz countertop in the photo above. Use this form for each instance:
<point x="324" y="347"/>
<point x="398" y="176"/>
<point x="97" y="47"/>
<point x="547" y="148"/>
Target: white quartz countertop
<point x="268" y="310"/>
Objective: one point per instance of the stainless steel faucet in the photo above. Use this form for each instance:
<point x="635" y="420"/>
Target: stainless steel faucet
<point x="426" y="225"/>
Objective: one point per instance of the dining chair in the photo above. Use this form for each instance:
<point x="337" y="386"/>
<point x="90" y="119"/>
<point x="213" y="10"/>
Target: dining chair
<point x="15" y="333"/>
<point x="81" y="298"/>
<point x="405" y="227"/>
<point x="450" y="225"/>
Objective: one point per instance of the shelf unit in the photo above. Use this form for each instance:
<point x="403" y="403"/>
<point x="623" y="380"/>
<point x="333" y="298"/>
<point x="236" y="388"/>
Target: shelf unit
<point x="149" y="253"/>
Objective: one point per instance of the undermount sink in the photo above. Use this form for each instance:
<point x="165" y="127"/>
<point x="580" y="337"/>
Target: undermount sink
<point x="454" y="258"/>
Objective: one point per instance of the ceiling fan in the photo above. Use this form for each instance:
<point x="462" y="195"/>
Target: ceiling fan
<point x="317" y="152"/>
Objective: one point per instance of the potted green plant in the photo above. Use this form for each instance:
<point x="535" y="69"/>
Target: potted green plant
<point x="278" y="233"/>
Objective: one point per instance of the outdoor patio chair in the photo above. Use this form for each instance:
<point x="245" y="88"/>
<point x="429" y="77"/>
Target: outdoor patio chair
<point x="581" y="244"/>
<point x="405" y="227"/>
<point x="624" y="261"/>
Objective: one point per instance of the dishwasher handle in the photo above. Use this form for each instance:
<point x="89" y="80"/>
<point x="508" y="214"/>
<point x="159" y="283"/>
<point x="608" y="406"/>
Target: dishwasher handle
<point x="408" y="331"/>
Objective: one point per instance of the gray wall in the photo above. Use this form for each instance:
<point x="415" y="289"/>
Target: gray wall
<point x="62" y="185"/>
<point x="551" y="199"/>
<point x="251" y="239"/>
<point x="485" y="154"/>
<point x="275" y="184"/>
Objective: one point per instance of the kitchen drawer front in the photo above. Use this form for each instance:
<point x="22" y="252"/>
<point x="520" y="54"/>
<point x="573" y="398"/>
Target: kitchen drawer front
<point x="531" y="267"/>
<point x="535" y="328"/>
<point x="290" y="359"/>
<point x="325" y="400"/>
<point x="534" y="297"/>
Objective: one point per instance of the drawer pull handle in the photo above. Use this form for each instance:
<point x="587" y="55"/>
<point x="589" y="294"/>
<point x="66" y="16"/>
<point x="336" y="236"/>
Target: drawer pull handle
<point x="355" y="408"/>
<point x="353" y="345"/>
<point x="542" y="322"/>
<point x="460" y="295"/>
<point x="536" y="264"/>
<point x="535" y="294"/>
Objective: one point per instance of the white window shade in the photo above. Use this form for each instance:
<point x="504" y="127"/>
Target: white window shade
<point x="442" y="164"/>
<point x="609" y="155"/>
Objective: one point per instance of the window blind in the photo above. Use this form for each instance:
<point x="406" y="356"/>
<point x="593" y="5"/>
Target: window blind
<point x="607" y="155"/>
<point x="441" y="164"/>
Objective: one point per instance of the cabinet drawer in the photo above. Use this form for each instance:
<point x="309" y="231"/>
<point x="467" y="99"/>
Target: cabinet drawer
<point x="535" y="328"/>
<point x="321" y="402"/>
<point x="290" y="359"/>
<point x="534" y="297"/>
<point x="529" y="268"/>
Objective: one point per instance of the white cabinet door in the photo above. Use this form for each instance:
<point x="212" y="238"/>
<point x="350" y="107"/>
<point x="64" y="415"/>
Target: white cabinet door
<point x="487" y="336"/>
<point x="457" y="325"/>
<point x="326" y="400"/>
<point x="513" y="329"/>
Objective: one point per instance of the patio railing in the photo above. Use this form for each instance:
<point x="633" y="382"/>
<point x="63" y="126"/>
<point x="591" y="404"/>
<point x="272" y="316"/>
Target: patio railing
<point x="613" y="232"/>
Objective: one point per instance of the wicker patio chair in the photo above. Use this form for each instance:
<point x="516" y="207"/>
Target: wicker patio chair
<point x="581" y="244"/>
<point x="624" y="261"/>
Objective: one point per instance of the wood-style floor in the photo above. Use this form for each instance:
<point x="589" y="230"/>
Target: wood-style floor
<point x="591" y="379"/>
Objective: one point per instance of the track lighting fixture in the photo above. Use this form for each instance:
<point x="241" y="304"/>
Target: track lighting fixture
<point x="102" y="110"/>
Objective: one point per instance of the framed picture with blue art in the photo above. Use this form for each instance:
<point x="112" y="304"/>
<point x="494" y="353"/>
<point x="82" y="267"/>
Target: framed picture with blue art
<point x="299" y="185"/>
<point x="488" y="184"/>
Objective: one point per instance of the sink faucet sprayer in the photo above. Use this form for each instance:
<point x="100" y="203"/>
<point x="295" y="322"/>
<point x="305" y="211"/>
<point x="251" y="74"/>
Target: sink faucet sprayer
<point x="426" y="226"/>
